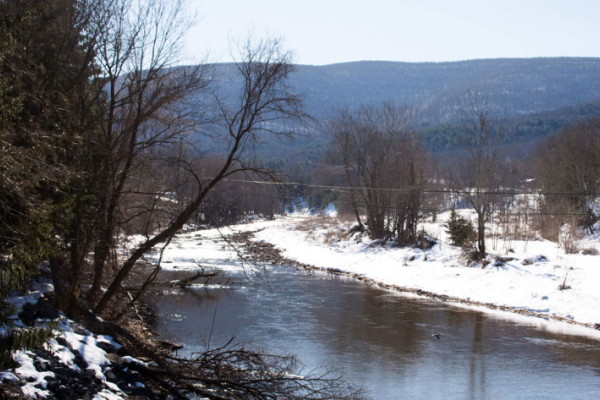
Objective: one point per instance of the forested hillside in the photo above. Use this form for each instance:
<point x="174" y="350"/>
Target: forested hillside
<point x="513" y="86"/>
<point x="524" y="129"/>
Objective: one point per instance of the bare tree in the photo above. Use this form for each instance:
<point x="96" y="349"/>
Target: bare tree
<point x="142" y="101"/>
<point x="478" y="175"/>
<point x="264" y="102"/>
<point x="412" y="171"/>
<point x="150" y="101"/>
<point x="342" y="128"/>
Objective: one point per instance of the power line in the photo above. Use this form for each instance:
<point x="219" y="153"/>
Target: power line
<point x="344" y="189"/>
<point x="406" y="189"/>
<point x="432" y="210"/>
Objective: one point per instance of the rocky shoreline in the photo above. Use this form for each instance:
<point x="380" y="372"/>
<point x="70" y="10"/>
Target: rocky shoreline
<point x="265" y="252"/>
<point x="77" y="363"/>
<point x="76" y="381"/>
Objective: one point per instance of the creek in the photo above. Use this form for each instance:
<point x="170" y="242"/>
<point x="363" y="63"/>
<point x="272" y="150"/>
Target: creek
<point x="380" y="339"/>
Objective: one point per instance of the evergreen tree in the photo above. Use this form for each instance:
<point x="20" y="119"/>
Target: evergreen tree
<point x="461" y="230"/>
<point x="46" y="98"/>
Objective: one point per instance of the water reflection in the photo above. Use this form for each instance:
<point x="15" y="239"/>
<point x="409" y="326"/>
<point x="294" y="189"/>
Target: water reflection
<point x="384" y="341"/>
<point x="477" y="362"/>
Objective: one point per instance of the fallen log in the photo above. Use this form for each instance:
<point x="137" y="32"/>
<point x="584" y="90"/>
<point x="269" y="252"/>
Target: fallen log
<point x="188" y="281"/>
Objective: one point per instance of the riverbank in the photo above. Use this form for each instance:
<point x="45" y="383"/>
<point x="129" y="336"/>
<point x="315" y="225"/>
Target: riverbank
<point x="534" y="279"/>
<point x="79" y="363"/>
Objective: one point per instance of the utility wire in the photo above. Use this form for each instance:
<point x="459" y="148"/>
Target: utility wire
<point x="406" y="189"/>
<point x="347" y="189"/>
<point x="522" y="213"/>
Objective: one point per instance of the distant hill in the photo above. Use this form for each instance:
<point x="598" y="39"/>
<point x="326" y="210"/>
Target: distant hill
<point x="540" y="125"/>
<point x="513" y="86"/>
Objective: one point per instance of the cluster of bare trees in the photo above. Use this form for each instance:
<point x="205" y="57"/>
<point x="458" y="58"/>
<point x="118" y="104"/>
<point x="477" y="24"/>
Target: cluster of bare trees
<point x="149" y="106"/>
<point x="111" y="149"/>
<point x="564" y="185"/>
<point x="568" y="168"/>
<point x="392" y="181"/>
<point x="385" y="166"/>
<point x="242" y="198"/>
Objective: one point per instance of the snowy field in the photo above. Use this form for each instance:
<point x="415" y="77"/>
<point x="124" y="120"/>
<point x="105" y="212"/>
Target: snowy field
<point x="531" y="280"/>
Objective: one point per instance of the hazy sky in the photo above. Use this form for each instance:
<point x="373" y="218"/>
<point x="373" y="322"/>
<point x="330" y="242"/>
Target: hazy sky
<point x="331" y="31"/>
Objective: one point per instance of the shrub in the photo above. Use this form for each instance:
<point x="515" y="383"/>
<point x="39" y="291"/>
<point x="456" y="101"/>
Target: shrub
<point x="571" y="247"/>
<point x="590" y="251"/>
<point x="424" y="240"/>
<point x="461" y="230"/>
<point x="470" y="257"/>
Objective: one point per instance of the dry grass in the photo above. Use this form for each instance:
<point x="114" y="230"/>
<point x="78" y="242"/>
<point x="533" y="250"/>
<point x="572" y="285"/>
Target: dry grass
<point x="324" y="229"/>
<point x="569" y="237"/>
<point x="333" y="236"/>
<point x="315" y="223"/>
<point x="564" y="285"/>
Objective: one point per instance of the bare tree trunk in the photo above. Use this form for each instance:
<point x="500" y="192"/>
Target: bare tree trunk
<point x="481" y="234"/>
<point x="353" y="200"/>
<point x="105" y="243"/>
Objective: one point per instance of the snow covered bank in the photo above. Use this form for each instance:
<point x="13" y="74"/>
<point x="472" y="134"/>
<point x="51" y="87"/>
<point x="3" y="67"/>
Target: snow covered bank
<point x="535" y="276"/>
<point x="75" y="364"/>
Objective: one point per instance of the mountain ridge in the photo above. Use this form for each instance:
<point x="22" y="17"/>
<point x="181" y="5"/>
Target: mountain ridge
<point x="441" y="62"/>
<point x="515" y="86"/>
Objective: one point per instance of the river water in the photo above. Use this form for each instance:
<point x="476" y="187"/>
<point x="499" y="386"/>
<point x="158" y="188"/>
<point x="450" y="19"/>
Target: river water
<point x="383" y="341"/>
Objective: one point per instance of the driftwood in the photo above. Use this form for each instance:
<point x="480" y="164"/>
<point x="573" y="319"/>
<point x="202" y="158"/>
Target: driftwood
<point x="170" y="346"/>
<point x="180" y="283"/>
<point x="188" y="281"/>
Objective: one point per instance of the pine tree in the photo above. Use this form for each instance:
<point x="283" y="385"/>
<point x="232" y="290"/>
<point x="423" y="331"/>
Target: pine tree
<point x="461" y="230"/>
<point x="45" y="70"/>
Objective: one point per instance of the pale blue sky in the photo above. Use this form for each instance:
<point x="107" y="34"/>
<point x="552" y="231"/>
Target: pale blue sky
<point x="330" y="31"/>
